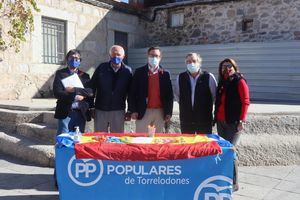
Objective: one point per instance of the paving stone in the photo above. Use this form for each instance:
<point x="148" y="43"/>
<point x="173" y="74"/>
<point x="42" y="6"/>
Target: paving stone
<point x="294" y="175"/>
<point x="281" y="195"/>
<point x="259" y="180"/>
<point x="27" y="181"/>
<point x="12" y="193"/>
<point x="289" y="186"/>
<point x="278" y="172"/>
<point x="252" y="190"/>
<point x="241" y="197"/>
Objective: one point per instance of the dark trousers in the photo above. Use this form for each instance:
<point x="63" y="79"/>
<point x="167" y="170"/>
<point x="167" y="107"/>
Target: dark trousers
<point x="192" y="128"/>
<point x="230" y="133"/>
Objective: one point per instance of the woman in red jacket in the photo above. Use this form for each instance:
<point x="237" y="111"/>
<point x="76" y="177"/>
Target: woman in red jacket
<point x="232" y="102"/>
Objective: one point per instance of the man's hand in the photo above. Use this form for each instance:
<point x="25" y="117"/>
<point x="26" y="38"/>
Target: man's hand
<point x="70" y="89"/>
<point x="134" y="115"/>
<point x="240" y="126"/>
<point x="127" y="116"/>
<point x="167" y="118"/>
<point x="79" y="98"/>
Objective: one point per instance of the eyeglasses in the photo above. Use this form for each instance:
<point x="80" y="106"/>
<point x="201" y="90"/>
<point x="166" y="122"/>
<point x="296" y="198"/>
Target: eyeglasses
<point x="227" y="65"/>
<point x="153" y="55"/>
<point x="75" y="58"/>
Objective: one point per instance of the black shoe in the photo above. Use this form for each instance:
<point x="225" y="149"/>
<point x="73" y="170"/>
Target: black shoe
<point x="235" y="187"/>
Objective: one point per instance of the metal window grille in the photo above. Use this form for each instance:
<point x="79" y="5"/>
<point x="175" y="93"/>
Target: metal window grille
<point x="54" y="40"/>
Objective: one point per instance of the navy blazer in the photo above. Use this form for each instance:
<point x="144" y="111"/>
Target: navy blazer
<point x="111" y="88"/>
<point x="138" y="97"/>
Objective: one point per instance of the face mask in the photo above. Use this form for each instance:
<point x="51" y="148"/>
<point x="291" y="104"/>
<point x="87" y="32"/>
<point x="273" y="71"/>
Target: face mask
<point x="153" y="61"/>
<point x="74" y="63"/>
<point x="116" y="60"/>
<point x="192" y="68"/>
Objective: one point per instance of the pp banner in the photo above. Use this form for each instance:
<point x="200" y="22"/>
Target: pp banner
<point x="205" y="178"/>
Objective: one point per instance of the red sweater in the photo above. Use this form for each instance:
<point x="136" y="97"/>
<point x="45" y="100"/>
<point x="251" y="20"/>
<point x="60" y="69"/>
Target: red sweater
<point x="153" y="91"/>
<point x="245" y="101"/>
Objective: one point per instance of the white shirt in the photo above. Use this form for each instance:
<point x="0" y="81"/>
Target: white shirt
<point x="212" y="86"/>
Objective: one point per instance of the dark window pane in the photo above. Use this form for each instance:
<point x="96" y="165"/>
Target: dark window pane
<point x="54" y="39"/>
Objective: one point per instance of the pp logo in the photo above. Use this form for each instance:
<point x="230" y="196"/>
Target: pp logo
<point x="214" y="188"/>
<point x="85" y="172"/>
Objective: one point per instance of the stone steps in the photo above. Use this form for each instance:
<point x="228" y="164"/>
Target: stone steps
<point x="268" y="150"/>
<point x="40" y="131"/>
<point x="279" y="124"/>
<point x="9" y="119"/>
<point x="27" y="149"/>
<point x="48" y="118"/>
<point x="28" y="134"/>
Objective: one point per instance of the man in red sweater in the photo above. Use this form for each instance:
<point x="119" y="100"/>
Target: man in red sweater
<point x="151" y="94"/>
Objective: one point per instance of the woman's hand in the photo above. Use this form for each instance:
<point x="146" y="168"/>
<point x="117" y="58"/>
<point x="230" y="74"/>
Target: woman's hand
<point x="240" y="126"/>
<point x="70" y="89"/>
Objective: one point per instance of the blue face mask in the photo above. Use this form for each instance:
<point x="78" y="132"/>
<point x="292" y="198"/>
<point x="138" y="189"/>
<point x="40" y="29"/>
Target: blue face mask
<point x="153" y="61"/>
<point x="74" y="63"/>
<point x="116" y="60"/>
<point x="192" y="68"/>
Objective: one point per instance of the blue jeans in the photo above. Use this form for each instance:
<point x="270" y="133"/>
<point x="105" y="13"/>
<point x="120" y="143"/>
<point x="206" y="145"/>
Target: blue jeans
<point x="74" y="118"/>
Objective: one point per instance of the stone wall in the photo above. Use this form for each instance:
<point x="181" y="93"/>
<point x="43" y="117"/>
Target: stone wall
<point x="89" y="28"/>
<point x="223" y="22"/>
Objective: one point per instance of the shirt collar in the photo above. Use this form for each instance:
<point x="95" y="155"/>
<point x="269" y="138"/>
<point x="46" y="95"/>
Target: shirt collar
<point x="193" y="77"/>
<point x="153" y="71"/>
<point x="73" y="71"/>
<point x="115" y="69"/>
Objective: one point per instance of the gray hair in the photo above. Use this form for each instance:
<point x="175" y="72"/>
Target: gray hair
<point x="197" y="56"/>
<point x="116" y="47"/>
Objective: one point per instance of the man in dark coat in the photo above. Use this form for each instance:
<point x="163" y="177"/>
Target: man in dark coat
<point x="151" y="95"/>
<point x="73" y="103"/>
<point x="111" y="83"/>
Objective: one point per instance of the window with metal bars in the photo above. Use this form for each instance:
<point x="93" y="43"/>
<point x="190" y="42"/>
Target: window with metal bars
<point x="54" y="40"/>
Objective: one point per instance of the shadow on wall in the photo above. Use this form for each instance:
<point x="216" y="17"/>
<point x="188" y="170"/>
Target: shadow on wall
<point x="95" y="43"/>
<point x="93" y="50"/>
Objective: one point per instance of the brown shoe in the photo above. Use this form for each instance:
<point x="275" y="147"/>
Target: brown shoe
<point x="235" y="187"/>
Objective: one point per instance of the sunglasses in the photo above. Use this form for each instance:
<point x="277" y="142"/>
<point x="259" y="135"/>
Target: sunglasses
<point x="227" y="65"/>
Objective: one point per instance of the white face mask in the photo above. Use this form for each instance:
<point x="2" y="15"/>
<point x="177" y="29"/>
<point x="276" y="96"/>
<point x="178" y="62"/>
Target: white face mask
<point x="153" y="62"/>
<point x="193" y="68"/>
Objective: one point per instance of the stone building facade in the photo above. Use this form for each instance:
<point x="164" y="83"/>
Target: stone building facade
<point x="209" y="22"/>
<point x="92" y="25"/>
<point x="89" y="27"/>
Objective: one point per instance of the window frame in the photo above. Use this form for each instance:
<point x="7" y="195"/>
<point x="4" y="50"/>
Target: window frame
<point x="48" y="57"/>
<point x="179" y="13"/>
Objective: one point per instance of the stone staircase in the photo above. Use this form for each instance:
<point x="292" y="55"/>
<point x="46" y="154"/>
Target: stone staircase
<point x="268" y="139"/>
<point x="28" y="135"/>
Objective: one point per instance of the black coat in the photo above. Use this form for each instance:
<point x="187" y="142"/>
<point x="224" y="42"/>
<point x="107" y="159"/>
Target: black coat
<point x="65" y="99"/>
<point x="111" y="88"/>
<point x="233" y="104"/>
<point x="139" y="91"/>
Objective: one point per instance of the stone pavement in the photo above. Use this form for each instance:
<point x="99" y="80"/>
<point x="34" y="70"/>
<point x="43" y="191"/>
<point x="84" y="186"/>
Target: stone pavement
<point x="21" y="181"/>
